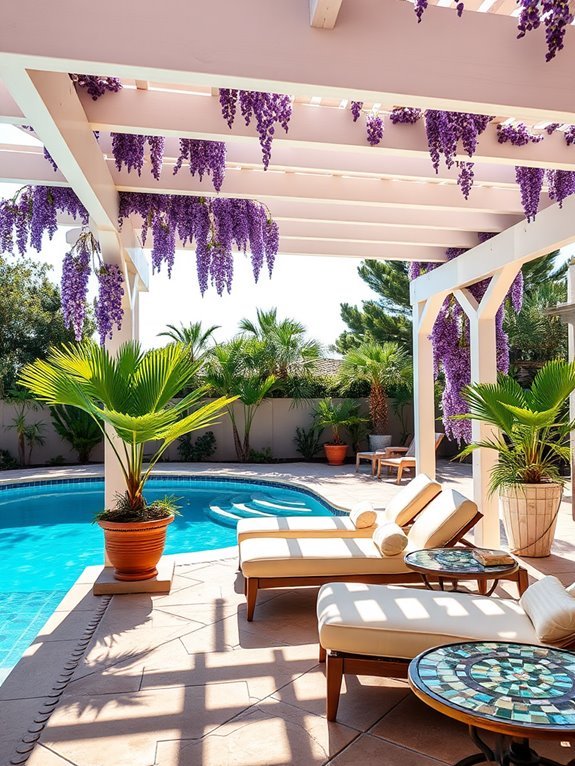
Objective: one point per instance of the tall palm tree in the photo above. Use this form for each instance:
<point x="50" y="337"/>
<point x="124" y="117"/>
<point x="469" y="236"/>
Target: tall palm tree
<point x="382" y="366"/>
<point x="194" y="336"/>
<point x="134" y="393"/>
<point x="235" y="370"/>
<point x="287" y="347"/>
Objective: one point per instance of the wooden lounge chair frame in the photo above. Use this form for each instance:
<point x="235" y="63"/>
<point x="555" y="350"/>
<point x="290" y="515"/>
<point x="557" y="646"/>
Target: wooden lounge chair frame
<point x="253" y="584"/>
<point x="401" y="464"/>
<point x="375" y="455"/>
<point x="340" y="663"/>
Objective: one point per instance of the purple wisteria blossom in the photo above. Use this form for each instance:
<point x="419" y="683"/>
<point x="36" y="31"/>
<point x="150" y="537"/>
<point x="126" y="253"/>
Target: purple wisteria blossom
<point x="203" y="158"/>
<point x="267" y="110"/>
<point x="518" y="135"/>
<point x="530" y="182"/>
<point x="561" y="184"/>
<point x="76" y="269"/>
<point x="97" y="86"/>
<point x="108" y="304"/>
<point x="374" y="128"/>
<point x="404" y="115"/>
<point x="556" y="16"/>
<point x="356" y="107"/>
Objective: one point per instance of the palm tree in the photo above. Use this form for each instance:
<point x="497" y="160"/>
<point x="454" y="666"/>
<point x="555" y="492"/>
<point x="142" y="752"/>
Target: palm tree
<point x="28" y="434"/>
<point x="287" y="348"/>
<point x="235" y="370"/>
<point x="382" y="366"/>
<point x="194" y="336"/>
<point x="134" y="393"/>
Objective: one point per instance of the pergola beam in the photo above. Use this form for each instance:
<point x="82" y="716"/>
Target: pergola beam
<point x="323" y="13"/>
<point x="394" y="59"/>
<point x="315" y="128"/>
<point x="553" y="229"/>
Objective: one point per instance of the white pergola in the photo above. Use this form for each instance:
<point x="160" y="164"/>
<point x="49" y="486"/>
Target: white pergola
<point x="331" y="193"/>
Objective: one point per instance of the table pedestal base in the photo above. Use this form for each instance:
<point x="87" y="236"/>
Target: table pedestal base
<point x="508" y="752"/>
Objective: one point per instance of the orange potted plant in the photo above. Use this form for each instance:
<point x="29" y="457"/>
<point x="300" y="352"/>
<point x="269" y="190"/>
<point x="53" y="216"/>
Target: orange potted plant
<point x="337" y="416"/>
<point x="134" y="393"/>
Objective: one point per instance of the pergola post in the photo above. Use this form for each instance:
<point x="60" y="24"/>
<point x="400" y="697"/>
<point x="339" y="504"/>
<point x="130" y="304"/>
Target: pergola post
<point x="424" y="315"/>
<point x="571" y="356"/>
<point x="483" y="350"/>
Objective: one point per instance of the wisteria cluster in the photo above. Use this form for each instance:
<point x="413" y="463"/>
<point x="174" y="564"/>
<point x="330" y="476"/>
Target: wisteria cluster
<point x="213" y="226"/>
<point x="108" y="305"/>
<point x="76" y="269"/>
<point x="450" y="339"/>
<point x="32" y="212"/>
<point x="570" y="135"/>
<point x="444" y="132"/>
<point x="97" y="86"/>
<point x="405" y="115"/>
<point x="552" y="127"/>
<point x="203" y="158"/>
<point x="518" y="135"/>
<point x="374" y="128"/>
<point x="530" y="182"/>
<point x="556" y="16"/>
<point x="267" y="110"/>
<point x="561" y="184"/>
<point x="421" y="5"/>
<point x="129" y="150"/>
<point x="356" y="107"/>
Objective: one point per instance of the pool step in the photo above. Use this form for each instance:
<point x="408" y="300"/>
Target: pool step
<point x="228" y="510"/>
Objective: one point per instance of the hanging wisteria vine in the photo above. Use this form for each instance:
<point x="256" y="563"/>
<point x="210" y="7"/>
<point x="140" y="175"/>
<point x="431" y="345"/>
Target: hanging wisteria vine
<point x="108" y="305"/>
<point x="404" y="115"/>
<point x="203" y="158"/>
<point x="268" y="110"/>
<point x="356" y="107"/>
<point x="444" y="132"/>
<point x="129" y="149"/>
<point x="213" y="226"/>
<point x="76" y="270"/>
<point x="97" y="86"/>
<point x="374" y="128"/>
<point x="530" y="182"/>
<point x="518" y="135"/>
<point x="450" y="339"/>
<point x="561" y="184"/>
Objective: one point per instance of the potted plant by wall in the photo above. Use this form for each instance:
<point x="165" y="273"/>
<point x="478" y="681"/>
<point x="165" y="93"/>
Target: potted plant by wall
<point x="532" y="442"/>
<point x="338" y="416"/>
<point x="132" y="398"/>
<point x="382" y="366"/>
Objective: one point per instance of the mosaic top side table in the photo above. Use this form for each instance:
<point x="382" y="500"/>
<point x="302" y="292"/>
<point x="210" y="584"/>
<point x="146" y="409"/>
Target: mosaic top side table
<point x="518" y="691"/>
<point x="456" y="564"/>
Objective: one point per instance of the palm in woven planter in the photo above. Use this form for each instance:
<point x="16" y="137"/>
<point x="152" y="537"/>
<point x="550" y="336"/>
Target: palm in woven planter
<point x="132" y="398"/>
<point x="531" y="437"/>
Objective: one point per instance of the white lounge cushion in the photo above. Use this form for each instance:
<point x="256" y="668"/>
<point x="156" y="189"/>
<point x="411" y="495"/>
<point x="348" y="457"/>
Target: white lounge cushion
<point x="314" y="556"/>
<point x="551" y="610"/>
<point x="398" y="622"/>
<point x="411" y="499"/>
<point x="300" y="526"/>
<point x="390" y="539"/>
<point x="444" y="517"/>
<point x="363" y="515"/>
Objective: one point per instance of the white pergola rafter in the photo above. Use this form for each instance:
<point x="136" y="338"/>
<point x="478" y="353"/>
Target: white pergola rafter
<point x="394" y="59"/>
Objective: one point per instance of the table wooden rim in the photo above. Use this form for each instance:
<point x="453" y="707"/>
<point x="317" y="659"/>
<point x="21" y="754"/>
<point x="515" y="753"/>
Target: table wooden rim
<point x="521" y="731"/>
<point x="451" y="574"/>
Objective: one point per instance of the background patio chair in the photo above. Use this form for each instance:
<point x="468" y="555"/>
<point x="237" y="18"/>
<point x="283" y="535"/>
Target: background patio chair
<point x="374" y="455"/>
<point x="405" y="462"/>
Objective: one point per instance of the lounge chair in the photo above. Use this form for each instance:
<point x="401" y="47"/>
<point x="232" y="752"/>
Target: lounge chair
<point x="374" y="455"/>
<point x="378" y="629"/>
<point x="283" y="562"/>
<point x="405" y="462"/>
<point x="402" y="509"/>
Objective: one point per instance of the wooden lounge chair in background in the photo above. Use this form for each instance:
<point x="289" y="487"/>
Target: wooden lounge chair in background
<point x="272" y="562"/>
<point x="374" y="455"/>
<point x="405" y="462"/>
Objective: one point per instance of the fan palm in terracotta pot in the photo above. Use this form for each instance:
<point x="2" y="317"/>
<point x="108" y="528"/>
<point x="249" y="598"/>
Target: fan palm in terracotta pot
<point x="338" y="416"/>
<point x="131" y="396"/>
<point x="532" y="442"/>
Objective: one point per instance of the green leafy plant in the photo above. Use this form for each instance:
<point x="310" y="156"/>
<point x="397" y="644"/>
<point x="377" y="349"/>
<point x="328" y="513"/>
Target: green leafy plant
<point x="261" y="456"/>
<point x="134" y="393"/>
<point x="380" y="366"/>
<point x="337" y="416"/>
<point x="78" y="428"/>
<point x="7" y="461"/>
<point x="308" y="441"/>
<point x="196" y="451"/>
<point x="29" y="435"/>
<point x="56" y="460"/>
<point x="532" y="426"/>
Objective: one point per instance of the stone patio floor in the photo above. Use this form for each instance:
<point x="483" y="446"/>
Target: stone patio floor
<point x="183" y="679"/>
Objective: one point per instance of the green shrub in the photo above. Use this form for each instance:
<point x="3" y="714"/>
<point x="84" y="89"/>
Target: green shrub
<point x="261" y="456"/>
<point x="308" y="441"/>
<point x="201" y="449"/>
<point x="7" y="462"/>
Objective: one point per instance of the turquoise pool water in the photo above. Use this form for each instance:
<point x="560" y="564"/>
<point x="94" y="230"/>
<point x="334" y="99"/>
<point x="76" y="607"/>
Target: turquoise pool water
<point x="46" y="538"/>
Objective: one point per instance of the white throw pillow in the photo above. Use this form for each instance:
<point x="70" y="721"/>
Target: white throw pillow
<point x="390" y="539"/>
<point x="551" y="609"/>
<point x="363" y="515"/>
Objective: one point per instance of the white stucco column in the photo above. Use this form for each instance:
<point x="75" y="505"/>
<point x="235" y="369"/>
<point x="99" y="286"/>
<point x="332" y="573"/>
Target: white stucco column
<point x="424" y="315"/>
<point x="571" y="356"/>
<point x="483" y="352"/>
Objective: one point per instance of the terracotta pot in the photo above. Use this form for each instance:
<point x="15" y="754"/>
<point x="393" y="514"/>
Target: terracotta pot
<point x="135" y="548"/>
<point x="530" y="517"/>
<point x="335" y="453"/>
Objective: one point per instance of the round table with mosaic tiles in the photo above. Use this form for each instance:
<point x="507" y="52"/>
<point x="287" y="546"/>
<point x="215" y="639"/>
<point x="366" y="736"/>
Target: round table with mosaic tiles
<point x="456" y="564"/>
<point x="517" y="691"/>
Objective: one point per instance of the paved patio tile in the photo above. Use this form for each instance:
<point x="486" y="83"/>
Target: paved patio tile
<point x="37" y="671"/>
<point x="269" y="734"/>
<point x="377" y="752"/>
<point x="15" y="715"/>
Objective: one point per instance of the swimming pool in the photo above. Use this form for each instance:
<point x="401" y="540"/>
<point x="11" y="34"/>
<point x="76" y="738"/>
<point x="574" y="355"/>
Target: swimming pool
<point x="46" y="538"/>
